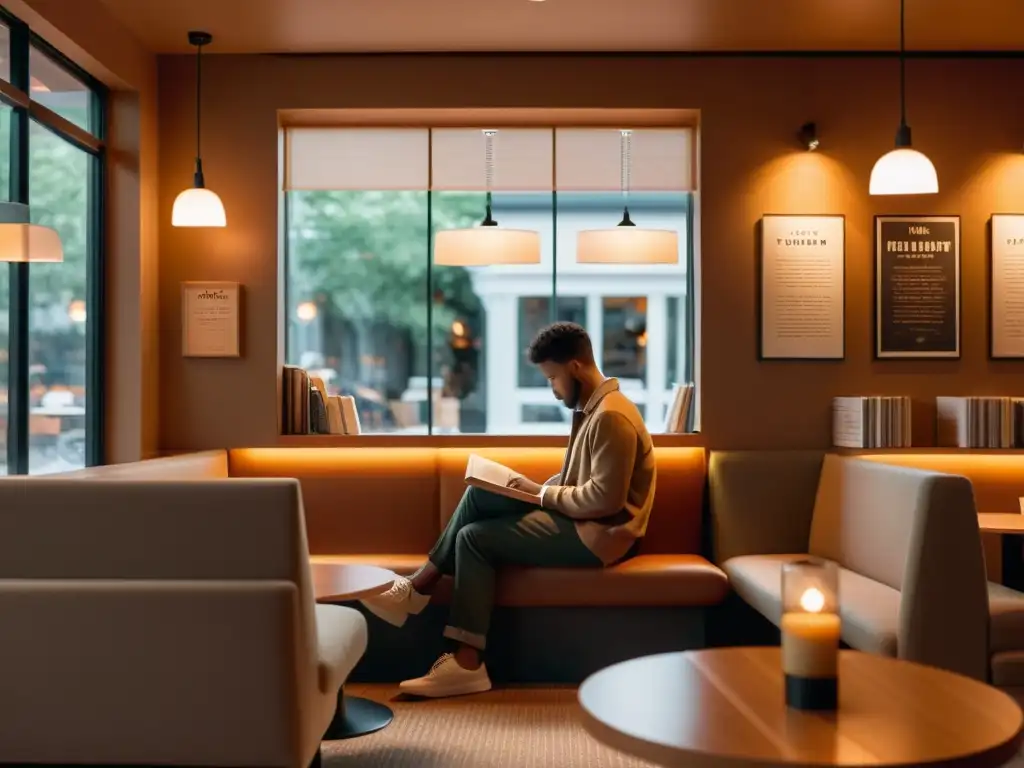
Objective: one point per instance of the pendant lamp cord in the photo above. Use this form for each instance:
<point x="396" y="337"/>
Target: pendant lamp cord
<point x="489" y="175"/>
<point x="903" y="67"/>
<point x="625" y="173"/>
<point x="198" y="180"/>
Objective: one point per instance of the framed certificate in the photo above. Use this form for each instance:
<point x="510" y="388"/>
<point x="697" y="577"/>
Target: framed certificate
<point x="210" y="319"/>
<point x="803" y="288"/>
<point x="917" y="287"/>
<point x="1006" y="286"/>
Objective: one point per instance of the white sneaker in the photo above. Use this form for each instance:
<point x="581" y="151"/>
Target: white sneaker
<point x="395" y="605"/>
<point x="447" y="678"/>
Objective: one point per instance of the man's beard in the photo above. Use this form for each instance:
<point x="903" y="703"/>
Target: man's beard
<point x="572" y="400"/>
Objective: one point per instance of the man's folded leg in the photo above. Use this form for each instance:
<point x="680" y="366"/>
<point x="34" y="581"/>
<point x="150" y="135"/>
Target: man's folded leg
<point x="537" y="539"/>
<point x="396" y="604"/>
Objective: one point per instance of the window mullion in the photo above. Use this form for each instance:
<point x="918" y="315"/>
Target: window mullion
<point x="18" y="338"/>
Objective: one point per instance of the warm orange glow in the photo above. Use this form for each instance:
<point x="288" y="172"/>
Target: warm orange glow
<point x="999" y="179"/>
<point x="997" y="477"/>
<point x="306" y="311"/>
<point x="801" y="181"/>
<point x="957" y="462"/>
<point x="76" y="311"/>
<point x="286" y="462"/>
<point x="812" y="600"/>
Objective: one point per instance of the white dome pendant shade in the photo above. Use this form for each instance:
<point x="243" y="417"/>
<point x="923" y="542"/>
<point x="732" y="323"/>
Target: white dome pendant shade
<point x="198" y="206"/>
<point x="487" y="244"/>
<point x="24" y="242"/>
<point x="904" y="170"/>
<point x="627" y="243"/>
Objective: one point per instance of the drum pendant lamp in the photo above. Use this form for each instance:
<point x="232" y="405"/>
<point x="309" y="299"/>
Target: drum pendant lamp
<point x="627" y="243"/>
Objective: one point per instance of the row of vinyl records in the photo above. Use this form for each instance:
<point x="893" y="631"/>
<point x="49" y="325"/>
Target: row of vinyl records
<point x="960" y="422"/>
<point x="307" y="409"/>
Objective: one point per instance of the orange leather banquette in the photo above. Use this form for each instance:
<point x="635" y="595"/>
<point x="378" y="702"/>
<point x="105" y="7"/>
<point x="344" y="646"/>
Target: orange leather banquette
<point x="387" y="506"/>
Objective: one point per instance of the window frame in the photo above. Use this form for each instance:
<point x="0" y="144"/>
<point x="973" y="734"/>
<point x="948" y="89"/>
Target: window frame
<point x="688" y="367"/>
<point x="17" y="94"/>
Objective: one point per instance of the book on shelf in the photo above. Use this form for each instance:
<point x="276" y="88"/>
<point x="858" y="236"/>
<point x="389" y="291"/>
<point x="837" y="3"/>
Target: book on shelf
<point x="308" y="409"/>
<point x="979" y="422"/>
<point x="295" y="389"/>
<point x="492" y="476"/>
<point x="871" y="422"/>
<point x="678" y="417"/>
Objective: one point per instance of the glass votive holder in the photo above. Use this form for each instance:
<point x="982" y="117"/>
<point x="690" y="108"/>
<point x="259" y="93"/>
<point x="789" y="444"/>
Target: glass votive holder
<point x="810" y="633"/>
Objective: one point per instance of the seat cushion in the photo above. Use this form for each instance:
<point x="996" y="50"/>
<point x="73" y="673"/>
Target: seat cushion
<point x="642" y="581"/>
<point x="341" y="640"/>
<point x="1006" y="622"/>
<point x="1006" y="635"/>
<point x="1008" y="669"/>
<point x="869" y="610"/>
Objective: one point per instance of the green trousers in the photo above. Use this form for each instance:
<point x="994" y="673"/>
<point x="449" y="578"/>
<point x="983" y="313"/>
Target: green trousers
<point x="488" y="531"/>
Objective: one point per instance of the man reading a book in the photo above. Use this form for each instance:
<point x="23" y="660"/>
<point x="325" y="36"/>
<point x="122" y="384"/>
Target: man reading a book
<point x="591" y="515"/>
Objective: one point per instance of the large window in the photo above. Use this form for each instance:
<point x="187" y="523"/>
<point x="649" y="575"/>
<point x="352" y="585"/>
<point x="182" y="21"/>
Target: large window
<point x="51" y="155"/>
<point x="441" y="349"/>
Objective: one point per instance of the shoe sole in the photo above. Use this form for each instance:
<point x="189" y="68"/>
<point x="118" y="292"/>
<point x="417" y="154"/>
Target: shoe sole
<point x="397" y="617"/>
<point x="394" y="618"/>
<point x="434" y="692"/>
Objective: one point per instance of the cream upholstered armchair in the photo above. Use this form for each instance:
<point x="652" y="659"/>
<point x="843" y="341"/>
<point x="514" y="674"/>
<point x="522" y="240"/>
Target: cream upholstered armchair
<point x="160" y="622"/>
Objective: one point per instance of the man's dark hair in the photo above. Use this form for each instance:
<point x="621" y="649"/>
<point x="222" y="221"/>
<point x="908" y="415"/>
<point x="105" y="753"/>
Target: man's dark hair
<point x="560" y="343"/>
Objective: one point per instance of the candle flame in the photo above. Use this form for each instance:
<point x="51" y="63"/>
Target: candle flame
<point x="812" y="600"/>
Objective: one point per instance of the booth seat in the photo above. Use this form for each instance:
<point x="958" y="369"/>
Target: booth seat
<point x="912" y="572"/>
<point x="998" y="481"/>
<point x="387" y="506"/>
<point x="160" y="622"/>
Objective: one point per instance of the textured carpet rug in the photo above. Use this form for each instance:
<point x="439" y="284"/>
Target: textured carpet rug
<point x="522" y="727"/>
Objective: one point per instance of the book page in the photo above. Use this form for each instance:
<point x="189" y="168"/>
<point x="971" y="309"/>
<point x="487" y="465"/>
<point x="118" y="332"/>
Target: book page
<point x="489" y="471"/>
<point x="494" y="477"/>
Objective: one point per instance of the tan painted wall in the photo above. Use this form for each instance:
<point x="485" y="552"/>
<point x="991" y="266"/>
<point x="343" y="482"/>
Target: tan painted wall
<point x="85" y="32"/>
<point x="964" y="116"/>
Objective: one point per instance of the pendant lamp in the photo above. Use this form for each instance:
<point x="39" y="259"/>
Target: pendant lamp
<point x="627" y="243"/>
<point x="198" y="206"/>
<point x="486" y="244"/>
<point x="904" y="170"/>
<point x="24" y="242"/>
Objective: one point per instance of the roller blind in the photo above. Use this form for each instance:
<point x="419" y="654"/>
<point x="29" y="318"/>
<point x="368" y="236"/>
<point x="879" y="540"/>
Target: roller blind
<point x="525" y="159"/>
<point x="522" y="159"/>
<point x="588" y="159"/>
<point x="328" y="158"/>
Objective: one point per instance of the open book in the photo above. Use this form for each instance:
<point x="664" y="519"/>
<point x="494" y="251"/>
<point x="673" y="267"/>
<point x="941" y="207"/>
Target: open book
<point x="495" y="477"/>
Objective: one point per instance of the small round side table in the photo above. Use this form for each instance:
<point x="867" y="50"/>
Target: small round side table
<point x="341" y="582"/>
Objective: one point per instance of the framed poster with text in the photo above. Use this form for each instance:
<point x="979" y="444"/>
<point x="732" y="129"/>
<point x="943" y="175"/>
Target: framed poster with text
<point x="210" y="319"/>
<point x="1006" y="287"/>
<point x="803" y="288"/>
<point x="917" y="287"/>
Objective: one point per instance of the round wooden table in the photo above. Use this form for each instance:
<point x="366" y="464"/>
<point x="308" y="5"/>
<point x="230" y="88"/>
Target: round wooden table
<point x="342" y="582"/>
<point x="726" y="707"/>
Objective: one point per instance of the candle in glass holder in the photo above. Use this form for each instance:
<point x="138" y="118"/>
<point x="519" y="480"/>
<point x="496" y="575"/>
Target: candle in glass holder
<point x="810" y="633"/>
